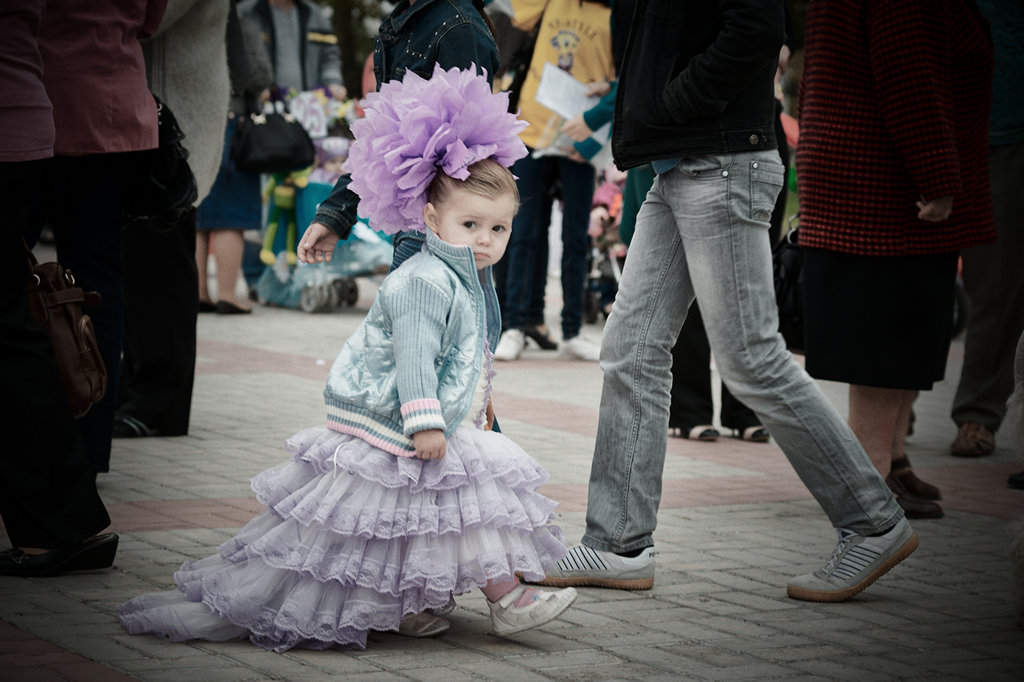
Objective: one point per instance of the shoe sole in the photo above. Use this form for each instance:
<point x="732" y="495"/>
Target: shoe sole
<point x="831" y="596"/>
<point x="529" y="626"/>
<point x="613" y="583"/>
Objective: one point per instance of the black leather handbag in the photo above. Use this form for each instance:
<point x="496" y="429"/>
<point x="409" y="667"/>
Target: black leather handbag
<point x="271" y="143"/>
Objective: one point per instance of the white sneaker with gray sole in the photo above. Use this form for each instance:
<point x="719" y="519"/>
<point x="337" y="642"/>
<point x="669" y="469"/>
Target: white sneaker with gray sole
<point x="587" y="567"/>
<point x="857" y="562"/>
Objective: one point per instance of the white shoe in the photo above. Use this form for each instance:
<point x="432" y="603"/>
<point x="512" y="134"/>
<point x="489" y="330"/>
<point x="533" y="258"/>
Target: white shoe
<point x="508" y="619"/>
<point x="585" y="566"/>
<point x="579" y="348"/>
<point x="511" y="345"/>
<point x="422" y="625"/>
<point x="856" y="563"/>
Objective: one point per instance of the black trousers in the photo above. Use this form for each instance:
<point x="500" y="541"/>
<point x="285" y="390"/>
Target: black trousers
<point x="48" y="495"/>
<point x="692" y="403"/>
<point x="161" y="295"/>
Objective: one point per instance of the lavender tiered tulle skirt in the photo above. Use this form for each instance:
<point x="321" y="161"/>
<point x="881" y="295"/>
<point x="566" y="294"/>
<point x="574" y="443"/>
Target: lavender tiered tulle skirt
<point x="354" y="538"/>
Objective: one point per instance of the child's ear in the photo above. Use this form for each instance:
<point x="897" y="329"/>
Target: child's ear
<point x="430" y="217"/>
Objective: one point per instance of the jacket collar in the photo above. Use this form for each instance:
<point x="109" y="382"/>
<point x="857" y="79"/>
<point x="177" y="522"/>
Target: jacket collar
<point x="458" y="258"/>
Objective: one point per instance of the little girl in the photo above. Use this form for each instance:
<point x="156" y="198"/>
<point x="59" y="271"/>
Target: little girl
<point x="404" y="498"/>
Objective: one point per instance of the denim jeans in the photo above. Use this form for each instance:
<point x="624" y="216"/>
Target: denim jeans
<point x="527" y="248"/>
<point x="703" y="232"/>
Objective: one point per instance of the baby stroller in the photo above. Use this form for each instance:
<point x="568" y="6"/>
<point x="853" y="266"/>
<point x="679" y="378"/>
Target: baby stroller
<point x="316" y="287"/>
<point x="602" y="283"/>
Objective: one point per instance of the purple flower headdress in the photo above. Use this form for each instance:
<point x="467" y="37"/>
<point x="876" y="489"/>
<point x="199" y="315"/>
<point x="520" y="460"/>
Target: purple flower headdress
<point x="417" y="127"/>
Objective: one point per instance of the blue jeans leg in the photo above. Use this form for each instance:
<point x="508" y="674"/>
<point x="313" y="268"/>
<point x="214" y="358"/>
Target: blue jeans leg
<point x="703" y="232"/>
<point x="528" y="242"/>
<point x="577" y="197"/>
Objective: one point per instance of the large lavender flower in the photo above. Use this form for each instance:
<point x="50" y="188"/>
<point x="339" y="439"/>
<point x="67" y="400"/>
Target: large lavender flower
<point x="417" y="127"/>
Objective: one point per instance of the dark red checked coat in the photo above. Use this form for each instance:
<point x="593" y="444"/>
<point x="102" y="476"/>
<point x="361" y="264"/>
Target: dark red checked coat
<point x="894" y="107"/>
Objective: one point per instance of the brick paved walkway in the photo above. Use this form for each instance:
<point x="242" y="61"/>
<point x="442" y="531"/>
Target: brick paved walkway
<point x="735" y="524"/>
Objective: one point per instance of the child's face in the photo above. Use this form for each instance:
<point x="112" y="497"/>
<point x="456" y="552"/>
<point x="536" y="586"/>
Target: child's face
<point x="482" y="223"/>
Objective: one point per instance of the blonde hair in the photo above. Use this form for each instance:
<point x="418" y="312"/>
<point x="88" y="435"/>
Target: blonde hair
<point x="487" y="177"/>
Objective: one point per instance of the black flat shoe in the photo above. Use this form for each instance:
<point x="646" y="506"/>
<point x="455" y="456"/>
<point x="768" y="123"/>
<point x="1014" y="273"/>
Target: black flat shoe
<point x="225" y="308"/>
<point x="207" y="306"/>
<point x="89" y="555"/>
<point x="130" y="427"/>
<point x="542" y="339"/>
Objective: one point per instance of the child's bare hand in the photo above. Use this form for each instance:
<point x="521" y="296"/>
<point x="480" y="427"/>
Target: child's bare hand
<point x="429" y="444"/>
<point x="317" y="244"/>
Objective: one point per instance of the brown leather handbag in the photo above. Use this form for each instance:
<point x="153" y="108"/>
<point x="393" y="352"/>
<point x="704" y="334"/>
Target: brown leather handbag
<point x="56" y="303"/>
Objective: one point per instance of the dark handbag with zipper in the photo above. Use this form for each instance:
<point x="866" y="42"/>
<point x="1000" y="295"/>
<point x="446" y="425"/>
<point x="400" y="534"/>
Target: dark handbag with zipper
<point x="56" y="303"/>
<point x="165" y="187"/>
<point x="788" y="261"/>
<point x="271" y="143"/>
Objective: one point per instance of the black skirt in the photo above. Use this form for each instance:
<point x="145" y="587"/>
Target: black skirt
<point x="878" y="321"/>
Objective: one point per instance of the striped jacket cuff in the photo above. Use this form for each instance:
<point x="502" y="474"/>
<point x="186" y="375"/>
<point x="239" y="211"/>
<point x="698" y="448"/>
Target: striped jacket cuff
<point x="422" y="414"/>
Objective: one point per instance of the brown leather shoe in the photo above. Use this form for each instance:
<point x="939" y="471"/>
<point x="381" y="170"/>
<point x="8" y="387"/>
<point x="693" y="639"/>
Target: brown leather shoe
<point x="902" y="472"/>
<point x="913" y="507"/>
<point x="973" y="440"/>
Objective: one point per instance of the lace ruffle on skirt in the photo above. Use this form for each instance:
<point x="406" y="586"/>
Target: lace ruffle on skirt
<point x="354" y="538"/>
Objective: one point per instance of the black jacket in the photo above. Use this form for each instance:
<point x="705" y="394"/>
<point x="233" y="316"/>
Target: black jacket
<point x="697" y="79"/>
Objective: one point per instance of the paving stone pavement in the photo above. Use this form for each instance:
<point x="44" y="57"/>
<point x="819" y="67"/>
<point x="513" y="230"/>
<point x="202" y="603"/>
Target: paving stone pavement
<point x="735" y="524"/>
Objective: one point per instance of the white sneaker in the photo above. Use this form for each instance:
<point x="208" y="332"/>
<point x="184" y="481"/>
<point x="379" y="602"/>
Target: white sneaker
<point x="579" y="348"/>
<point x="511" y="345"/>
<point x="508" y="619"/>
<point x="856" y="562"/>
<point x="585" y="566"/>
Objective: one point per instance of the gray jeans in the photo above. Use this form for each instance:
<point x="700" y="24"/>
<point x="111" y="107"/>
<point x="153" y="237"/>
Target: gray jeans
<point x="703" y="232"/>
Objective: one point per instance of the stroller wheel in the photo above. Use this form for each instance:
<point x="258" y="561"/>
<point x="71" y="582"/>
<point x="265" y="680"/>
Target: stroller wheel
<point x="353" y="292"/>
<point x="347" y="291"/>
<point x="309" y="299"/>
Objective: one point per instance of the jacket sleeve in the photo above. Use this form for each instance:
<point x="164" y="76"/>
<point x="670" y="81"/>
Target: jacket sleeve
<point x="752" y="33"/>
<point x="418" y="310"/>
<point x="463" y="45"/>
<point x="910" y="56"/>
<point x="339" y="211"/>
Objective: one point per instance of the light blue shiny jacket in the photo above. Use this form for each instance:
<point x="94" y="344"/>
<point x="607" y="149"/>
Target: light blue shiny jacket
<point x="415" y="360"/>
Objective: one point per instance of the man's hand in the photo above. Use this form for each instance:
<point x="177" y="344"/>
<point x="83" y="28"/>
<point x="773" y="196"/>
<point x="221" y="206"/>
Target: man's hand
<point x="577" y="129"/>
<point x="935" y="210"/>
<point x="429" y="444"/>
<point x="317" y="244"/>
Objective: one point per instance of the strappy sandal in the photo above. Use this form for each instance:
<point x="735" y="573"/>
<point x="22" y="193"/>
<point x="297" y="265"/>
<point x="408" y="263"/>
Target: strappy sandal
<point x="753" y="434"/>
<point x="704" y="432"/>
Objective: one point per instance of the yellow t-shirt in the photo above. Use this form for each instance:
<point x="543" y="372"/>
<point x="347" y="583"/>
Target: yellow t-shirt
<point x="574" y="36"/>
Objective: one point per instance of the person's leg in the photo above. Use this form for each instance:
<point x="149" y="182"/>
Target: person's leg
<point x="85" y="213"/>
<point x="636" y="358"/>
<point x="522" y="246"/>
<point x="994" y="281"/>
<point x="722" y="206"/>
<point x="692" y="404"/>
<point x="202" y="259"/>
<point x="228" y="246"/>
<point x="158" y="365"/>
<point x="48" y="495"/>
<point x="874" y="415"/>
<point x="577" y="196"/>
